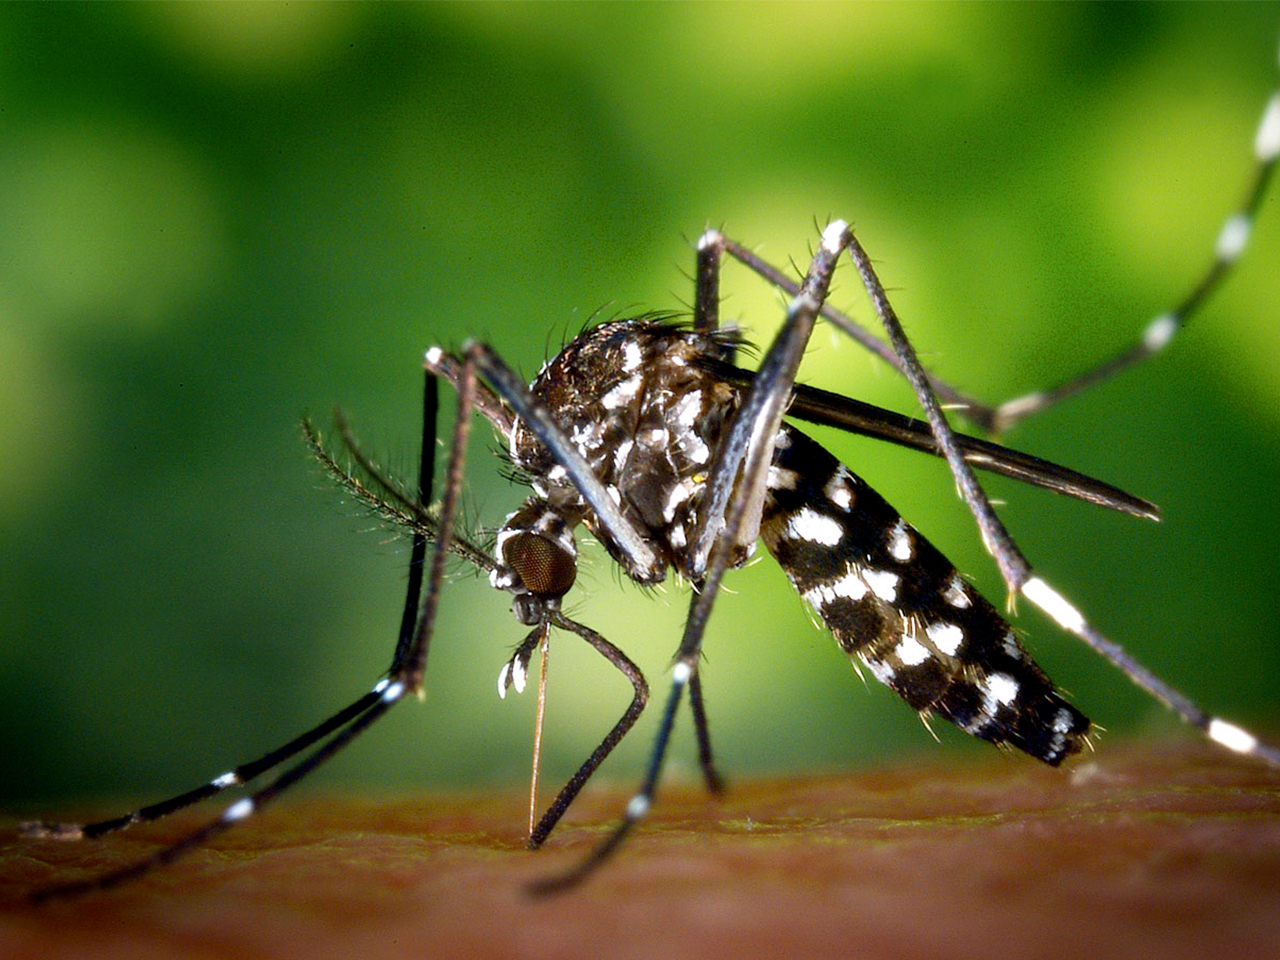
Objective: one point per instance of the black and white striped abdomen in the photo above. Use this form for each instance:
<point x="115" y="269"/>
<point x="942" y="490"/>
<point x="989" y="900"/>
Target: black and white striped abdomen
<point x="892" y="600"/>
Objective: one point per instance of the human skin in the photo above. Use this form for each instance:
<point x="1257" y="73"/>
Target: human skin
<point x="1159" y="849"/>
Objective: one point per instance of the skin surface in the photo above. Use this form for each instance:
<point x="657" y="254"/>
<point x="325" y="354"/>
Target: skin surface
<point x="1163" y="849"/>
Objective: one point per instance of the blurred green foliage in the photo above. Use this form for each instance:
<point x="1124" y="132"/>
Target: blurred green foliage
<point x="216" y="217"/>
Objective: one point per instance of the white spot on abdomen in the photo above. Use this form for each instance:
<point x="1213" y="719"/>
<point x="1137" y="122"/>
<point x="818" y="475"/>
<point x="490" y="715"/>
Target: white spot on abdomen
<point x="900" y="542"/>
<point x="809" y="525"/>
<point x="911" y="652"/>
<point x="839" y="490"/>
<point x="850" y="586"/>
<point x="957" y="594"/>
<point x="780" y="478"/>
<point x="883" y="584"/>
<point x="947" y="637"/>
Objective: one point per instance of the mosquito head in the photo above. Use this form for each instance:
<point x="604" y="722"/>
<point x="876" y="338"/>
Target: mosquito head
<point x="543" y="564"/>
<point x="537" y="559"/>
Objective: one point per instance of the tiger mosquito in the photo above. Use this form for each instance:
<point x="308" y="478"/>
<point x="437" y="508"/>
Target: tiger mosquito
<point x="646" y="432"/>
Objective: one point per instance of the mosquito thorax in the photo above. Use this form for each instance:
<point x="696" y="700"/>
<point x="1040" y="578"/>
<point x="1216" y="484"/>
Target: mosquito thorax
<point x="638" y="400"/>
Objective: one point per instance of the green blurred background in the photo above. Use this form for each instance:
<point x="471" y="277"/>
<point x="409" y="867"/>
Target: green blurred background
<point x="216" y="218"/>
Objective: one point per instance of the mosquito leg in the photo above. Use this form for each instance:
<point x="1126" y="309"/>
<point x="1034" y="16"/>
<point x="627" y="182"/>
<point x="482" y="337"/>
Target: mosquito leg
<point x="720" y="531"/>
<point x="1220" y="731"/>
<point x="706" y="297"/>
<point x="972" y="408"/>
<point x="410" y="661"/>
<point x="418" y="552"/>
<point x="387" y="695"/>
<point x="1014" y="568"/>
<point x="407" y="666"/>
<point x="246" y="772"/>
<point x="715" y="782"/>
<point x="1231" y="242"/>
<point x="638" y="701"/>
<point x="241" y="774"/>
<point x="751" y="436"/>
<point x="636" y="808"/>
<point x="449" y="368"/>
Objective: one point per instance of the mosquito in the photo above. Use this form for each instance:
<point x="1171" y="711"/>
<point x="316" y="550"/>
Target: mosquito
<point x="648" y="434"/>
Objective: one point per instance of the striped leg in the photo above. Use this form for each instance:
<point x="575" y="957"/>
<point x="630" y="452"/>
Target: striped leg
<point x="726" y="525"/>
<point x="1018" y="574"/>
<point x="1231" y="243"/>
<point x="403" y="676"/>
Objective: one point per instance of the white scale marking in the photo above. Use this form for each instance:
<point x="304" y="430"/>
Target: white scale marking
<point x="688" y="407"/>
<point x="879" y="669"/>
<point x="620" y="455"/>
<point x="632" y="357"/>
<point x="224" y="781"/>
<point x="957" y="594"/>
<point x="780" y="478"/>
<point x="681" y="492"/>
<point x="622" y="394"/>
<point x="947" y="637"/>
<point x="238" y="810"/>
<point x="833" y="236"/>
<point x="680" y="673"/>
<point x="1054" y="604"/>
<point x="883" y="584"/>
<point x="637" y="806"/>
<point x="1233" y="238"/>
<point x="839" y="490"/>
<point x="709" y="238"/>
<point x="1232" y="737"/>
<point x="1020" y="406"/>
<point x="900" y="542"/>
<point x="1062" y="721"/>
<point x="911" y="651"/>
<point x="1159" y="332"/>
<point x="694" y="448"/>
<point x="998" y="689"/>
<point x="850" y="586"/>
<point x="1267" y="143"/>
<point x="807" y="524"/>
<point x="393" y="692"/>
<point x="581" y="434"/>
<point x="1002" y="687"/>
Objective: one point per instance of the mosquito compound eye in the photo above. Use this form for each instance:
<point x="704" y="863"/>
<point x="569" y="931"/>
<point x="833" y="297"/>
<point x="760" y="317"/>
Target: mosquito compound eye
<point x="545" y="568"/>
